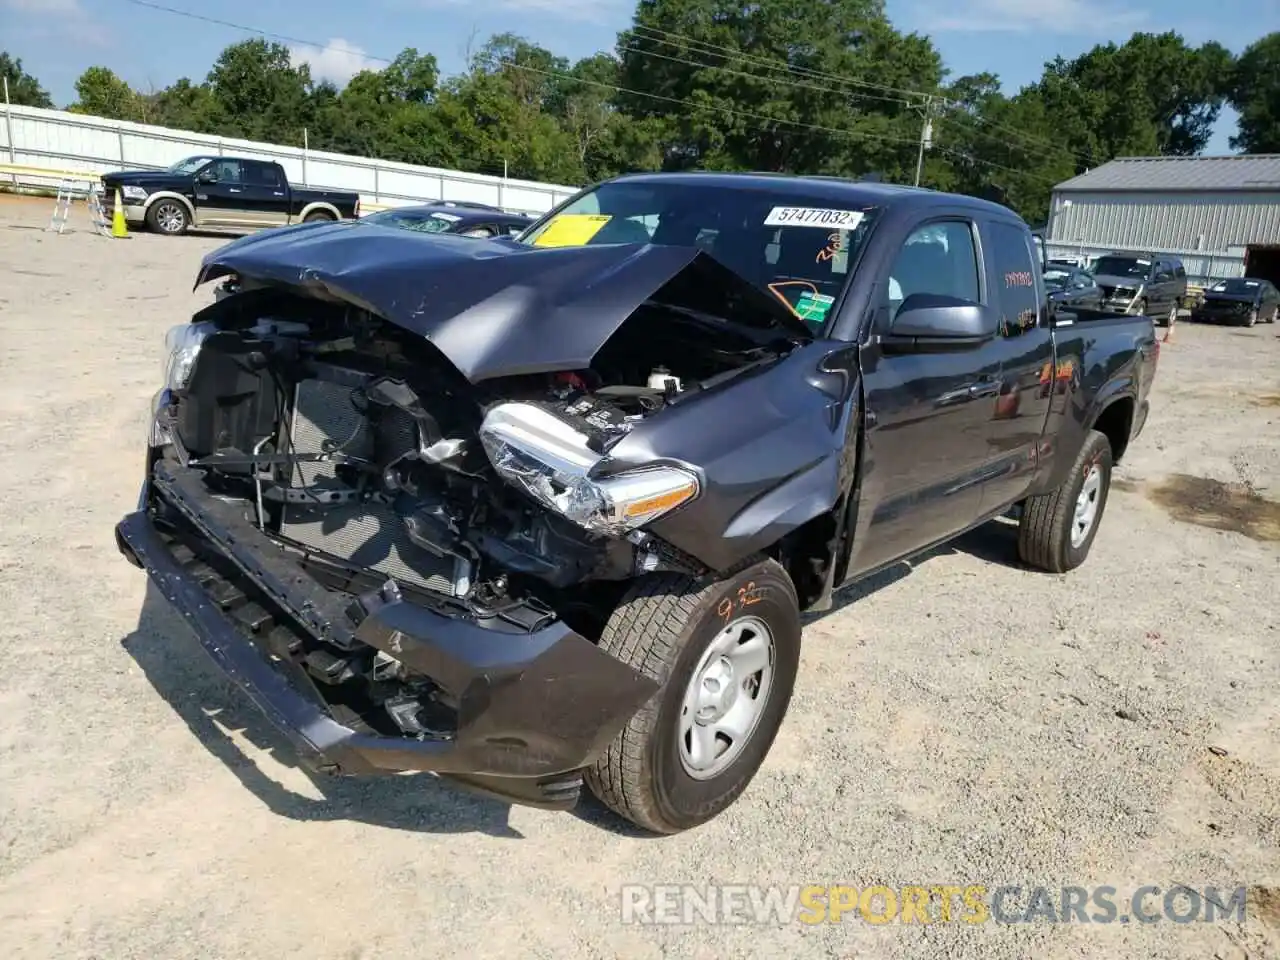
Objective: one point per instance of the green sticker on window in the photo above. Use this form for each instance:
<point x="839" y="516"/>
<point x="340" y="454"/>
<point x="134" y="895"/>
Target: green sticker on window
<point x="812" y="308"/>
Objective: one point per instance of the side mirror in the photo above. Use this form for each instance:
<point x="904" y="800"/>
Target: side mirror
<point x="207" y="176"/>
<point x="935" y="322"/>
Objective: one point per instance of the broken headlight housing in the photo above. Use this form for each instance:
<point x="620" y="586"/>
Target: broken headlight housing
<point x="181" y="347"/>
<point x="549" y="460"/>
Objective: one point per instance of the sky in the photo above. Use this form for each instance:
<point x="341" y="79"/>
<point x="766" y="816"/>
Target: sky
<point x="150" y="48"/>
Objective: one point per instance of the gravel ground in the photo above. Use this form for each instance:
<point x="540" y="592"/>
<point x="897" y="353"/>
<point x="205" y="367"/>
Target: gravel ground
<point x="963" y="722"/>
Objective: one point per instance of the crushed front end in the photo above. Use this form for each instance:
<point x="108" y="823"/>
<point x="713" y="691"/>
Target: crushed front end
<point x="403" y="569"/>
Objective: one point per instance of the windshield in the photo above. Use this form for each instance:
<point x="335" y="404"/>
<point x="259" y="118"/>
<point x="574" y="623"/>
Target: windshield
<point x="1056" y="279"/>
<point x="1134" y="267"/>
<point x="1236" y="286"/>
<point x="419" y="222"/>
<point x="189" y="165"/>
<point x="795" y="247"/>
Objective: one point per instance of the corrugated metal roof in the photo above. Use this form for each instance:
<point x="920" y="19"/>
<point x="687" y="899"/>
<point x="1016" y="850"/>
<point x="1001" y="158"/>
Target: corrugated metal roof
<point x="1257" y="172"/>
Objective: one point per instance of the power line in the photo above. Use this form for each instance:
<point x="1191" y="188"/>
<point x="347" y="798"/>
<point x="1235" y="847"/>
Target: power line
<point x="732" y="53"/>
<point x="797" y="124"/>
<point x="262" y="33"/>
<point x="797" y="84"/>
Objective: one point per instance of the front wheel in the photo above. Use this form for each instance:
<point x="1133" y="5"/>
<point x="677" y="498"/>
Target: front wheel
<point x="725" y="655"/>
<point x="168" y="217"/>
<point x="1057" y="529"/>
<point x="1253" y="317"/>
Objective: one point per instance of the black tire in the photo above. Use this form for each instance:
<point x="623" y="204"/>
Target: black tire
<point x="1253" y="318"/>
<point x="315" y="216"/>
<point x="169" y="217"/>
<point x="1044" y="532"/>
<point x="1274" y="312"/>
<point x="662" y="627"/>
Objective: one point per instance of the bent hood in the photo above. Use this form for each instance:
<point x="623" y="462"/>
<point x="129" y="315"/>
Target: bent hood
<point x="498" y="308"/>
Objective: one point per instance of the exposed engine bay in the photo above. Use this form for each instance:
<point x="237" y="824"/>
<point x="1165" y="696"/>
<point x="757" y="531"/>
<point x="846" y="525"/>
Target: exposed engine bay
<point x="346" y="438"/>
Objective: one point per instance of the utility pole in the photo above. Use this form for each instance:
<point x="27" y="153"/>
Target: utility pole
<point x="926" y="137"/>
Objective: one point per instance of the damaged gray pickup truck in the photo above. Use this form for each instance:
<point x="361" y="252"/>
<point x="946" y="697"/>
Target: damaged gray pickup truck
<point x="524" y="513"/>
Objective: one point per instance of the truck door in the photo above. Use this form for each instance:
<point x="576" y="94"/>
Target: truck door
<point x="1027" y="371"/>
<point x="220" y="193"/>
<point x="266" y="193"/>
<point x="928" y="412"/>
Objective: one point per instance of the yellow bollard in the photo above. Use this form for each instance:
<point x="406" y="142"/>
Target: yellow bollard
<point x="119" y="229"/>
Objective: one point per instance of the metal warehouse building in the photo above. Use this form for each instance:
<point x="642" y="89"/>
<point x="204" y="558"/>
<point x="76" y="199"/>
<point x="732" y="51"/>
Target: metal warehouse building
<point x="1220" y="215"/>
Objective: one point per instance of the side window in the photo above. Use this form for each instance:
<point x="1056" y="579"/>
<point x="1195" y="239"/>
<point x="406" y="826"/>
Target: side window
<point x="938" y="258"/>
<point x="1015" y="279"/>
<point x="1164" y="270"/>
<point x="1179" y="271"/>
<point x="259" y="174"/>
<point x="228" y="171"/>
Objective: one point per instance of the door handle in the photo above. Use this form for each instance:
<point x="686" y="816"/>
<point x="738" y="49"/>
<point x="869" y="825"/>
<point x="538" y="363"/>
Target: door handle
<point x="233" y="189"/>
<point x="278" y="193"/>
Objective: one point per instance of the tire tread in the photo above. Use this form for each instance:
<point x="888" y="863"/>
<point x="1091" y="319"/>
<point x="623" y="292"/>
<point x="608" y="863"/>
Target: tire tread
<point x="646" y="632"/>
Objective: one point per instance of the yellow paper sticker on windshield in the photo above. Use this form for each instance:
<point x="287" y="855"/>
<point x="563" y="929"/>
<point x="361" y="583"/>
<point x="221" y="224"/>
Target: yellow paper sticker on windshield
<point x="571" y="230"/>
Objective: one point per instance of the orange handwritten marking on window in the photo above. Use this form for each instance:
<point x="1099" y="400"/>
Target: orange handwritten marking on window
<point x="1019" y="278"/>
<point x="774" y="289"/>
<point x="835" y="244"/>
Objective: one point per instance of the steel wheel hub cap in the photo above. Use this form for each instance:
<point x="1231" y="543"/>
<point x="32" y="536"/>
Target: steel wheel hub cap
<point x="1086" y="506"/>
<point x="725" y="698"/>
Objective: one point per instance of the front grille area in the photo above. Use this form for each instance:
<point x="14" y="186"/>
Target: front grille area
<point x="369" y="535"/>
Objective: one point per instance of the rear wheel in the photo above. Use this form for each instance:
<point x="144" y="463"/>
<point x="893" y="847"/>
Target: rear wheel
<point x="316" y="216"/>
<point x="1057" y="529"/>
<point x="725" y="654"/>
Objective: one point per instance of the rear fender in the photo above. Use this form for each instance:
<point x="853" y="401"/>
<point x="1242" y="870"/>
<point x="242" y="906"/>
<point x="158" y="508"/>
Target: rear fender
<point x="1076" y="425"/>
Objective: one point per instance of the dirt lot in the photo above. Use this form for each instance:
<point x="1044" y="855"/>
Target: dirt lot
<point x="964" y="722"/>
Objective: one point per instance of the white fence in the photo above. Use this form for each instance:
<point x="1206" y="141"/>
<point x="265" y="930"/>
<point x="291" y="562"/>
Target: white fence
<point x="56" y="140"/>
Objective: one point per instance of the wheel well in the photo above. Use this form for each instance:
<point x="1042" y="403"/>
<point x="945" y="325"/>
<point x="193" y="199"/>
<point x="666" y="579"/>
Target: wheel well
<point x="1115" y="422"/>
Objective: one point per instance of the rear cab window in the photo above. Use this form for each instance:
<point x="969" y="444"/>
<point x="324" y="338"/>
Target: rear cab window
<point x="1014" y="267"/>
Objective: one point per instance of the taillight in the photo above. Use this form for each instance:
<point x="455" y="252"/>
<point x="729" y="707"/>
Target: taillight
<point x="356" y="213"/>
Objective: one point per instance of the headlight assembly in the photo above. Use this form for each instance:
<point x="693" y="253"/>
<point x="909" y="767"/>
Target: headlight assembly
<point x="133" y="193"/>
<point x="181" y="347"/>
<point x="551" y="461"/>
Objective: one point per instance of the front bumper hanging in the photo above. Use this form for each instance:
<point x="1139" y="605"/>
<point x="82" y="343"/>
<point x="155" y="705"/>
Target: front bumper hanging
<point x="535" y="706"/>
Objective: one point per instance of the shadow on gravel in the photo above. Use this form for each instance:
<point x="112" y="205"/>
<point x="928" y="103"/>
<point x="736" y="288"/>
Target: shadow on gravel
<point x="994" y="542"/>
<point x="179" y="670"/>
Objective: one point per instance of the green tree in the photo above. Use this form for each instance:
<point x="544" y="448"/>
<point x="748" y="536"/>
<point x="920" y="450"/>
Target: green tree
<point x="102" y="94"/>
<point x="258" y="93"/>
<point x="1255" y="93"/>
<point x="24" y="89"/>
<point x="788" y="85"/>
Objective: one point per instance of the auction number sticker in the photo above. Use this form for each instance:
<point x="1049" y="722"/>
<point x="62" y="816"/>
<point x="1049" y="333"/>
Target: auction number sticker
<point x="813" y="217"/>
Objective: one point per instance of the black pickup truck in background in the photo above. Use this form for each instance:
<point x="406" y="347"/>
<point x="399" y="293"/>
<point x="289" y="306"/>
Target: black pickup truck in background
<point x="528" y="513"/>
<point x="222" y="192"/>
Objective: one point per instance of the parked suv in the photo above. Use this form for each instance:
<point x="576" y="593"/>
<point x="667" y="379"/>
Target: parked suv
<point x="1142" y="283"/>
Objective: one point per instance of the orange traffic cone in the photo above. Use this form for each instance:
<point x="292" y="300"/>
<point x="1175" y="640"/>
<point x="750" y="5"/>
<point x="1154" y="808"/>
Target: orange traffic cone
<point x="119" y="228"/>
